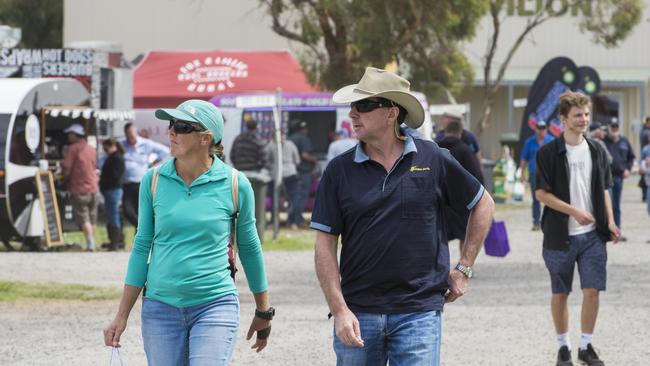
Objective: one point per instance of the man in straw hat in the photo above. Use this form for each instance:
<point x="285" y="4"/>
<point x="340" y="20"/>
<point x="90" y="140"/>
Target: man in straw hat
<point x="384" y="199"/>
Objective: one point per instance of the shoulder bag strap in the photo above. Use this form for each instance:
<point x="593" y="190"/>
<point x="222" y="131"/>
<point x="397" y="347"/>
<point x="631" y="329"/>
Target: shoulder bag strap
<point x="235" y="202"/>
<point x="152" y="189"/>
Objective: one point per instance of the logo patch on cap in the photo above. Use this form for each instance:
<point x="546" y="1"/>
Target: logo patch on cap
<point x="190" y="109"/>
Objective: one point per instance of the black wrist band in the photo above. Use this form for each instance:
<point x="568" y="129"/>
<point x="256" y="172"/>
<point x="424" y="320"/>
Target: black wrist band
<point x="267" y="315"/>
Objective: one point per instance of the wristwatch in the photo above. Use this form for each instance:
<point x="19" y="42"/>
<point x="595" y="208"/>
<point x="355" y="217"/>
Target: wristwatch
<point x="467" y="271"/>
<point x="267" y="315"/>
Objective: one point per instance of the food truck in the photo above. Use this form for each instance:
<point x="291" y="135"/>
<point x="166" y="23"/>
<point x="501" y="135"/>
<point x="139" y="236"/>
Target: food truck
<point x="33" y="115"/>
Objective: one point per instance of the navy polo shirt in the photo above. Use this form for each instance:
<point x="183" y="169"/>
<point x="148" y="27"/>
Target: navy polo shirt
<point x="394" y="256"/>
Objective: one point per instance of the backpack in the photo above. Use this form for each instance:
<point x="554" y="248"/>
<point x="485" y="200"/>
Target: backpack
<point x="232" y="242"/>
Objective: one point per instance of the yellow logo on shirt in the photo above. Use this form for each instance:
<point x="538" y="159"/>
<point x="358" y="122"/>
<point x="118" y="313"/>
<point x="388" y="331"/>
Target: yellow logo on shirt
<point x="416" y="168"/>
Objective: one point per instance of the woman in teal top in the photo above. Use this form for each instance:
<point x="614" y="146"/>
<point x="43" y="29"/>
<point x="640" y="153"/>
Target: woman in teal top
<point x="190" y="309"/>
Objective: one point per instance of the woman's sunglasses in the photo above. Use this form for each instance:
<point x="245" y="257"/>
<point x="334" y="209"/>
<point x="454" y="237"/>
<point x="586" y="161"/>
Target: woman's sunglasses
<point x="184" y="127"/>
<point x="367" y="105"/>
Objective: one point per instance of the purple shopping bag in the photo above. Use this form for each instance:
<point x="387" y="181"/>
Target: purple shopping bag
<point x="496" y="242"/>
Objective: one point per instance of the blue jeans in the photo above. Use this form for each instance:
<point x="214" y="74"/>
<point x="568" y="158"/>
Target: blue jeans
<point x="300" y="197"/>
<point x="400" y="339"/>
<point x="199" y="335"/>
<point x="536" y="206"/>
<point x="616" y="192"/>
<point x="290" y="186"/>
<point x="112" y="200"/>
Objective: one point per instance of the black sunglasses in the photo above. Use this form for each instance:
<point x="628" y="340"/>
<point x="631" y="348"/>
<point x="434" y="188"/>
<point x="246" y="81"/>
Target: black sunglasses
<point x="367" y="105"/>
<point x="184" y="127"/>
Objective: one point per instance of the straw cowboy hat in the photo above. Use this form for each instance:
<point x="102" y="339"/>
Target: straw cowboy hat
<point x="384" y="84"/>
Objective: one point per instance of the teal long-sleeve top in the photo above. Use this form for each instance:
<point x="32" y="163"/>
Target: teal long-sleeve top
<point x="189" y="227"/>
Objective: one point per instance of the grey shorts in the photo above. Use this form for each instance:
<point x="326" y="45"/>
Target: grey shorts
<point x="84" y="207"/>
<point x="591" y="255"/>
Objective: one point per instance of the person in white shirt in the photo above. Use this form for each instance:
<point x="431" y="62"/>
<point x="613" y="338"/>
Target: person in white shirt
<point x="139" y="155"/>
<point x="342" y="143"/>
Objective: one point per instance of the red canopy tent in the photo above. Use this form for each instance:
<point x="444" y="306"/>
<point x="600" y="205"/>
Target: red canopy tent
<point x="165" y="79"/>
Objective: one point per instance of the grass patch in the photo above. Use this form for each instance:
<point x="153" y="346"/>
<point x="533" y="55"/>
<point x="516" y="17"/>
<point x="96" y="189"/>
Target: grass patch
<point x="12" y="291"/>
<point x="290" y="240"/>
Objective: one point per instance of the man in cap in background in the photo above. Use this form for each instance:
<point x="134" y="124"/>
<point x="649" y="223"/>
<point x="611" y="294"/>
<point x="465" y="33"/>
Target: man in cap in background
<point x="622" y="161"/>
<point x="456" y="226"/>
<point x="249" y="155"/>
<point x="597" y="133"/>
<point x="644" y="140"/>
<point x="79" y="172"/>
<point x="305" y="170"/>
<point x="385" y="198"/>
<point x="467" y="137"/>
<point x="342" y="143"/>
<point x="531" y="145"/>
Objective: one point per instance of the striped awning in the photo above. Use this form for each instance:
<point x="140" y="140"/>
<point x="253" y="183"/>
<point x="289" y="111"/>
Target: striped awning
<point x="75" y="112"/>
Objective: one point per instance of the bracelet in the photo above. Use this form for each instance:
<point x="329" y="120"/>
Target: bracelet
<point x="267" y="315"/>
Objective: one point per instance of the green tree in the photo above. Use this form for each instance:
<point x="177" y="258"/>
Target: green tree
<point x="41" y="21"/>
<point x="342" y="37"/>
<point x="609" y="23"/>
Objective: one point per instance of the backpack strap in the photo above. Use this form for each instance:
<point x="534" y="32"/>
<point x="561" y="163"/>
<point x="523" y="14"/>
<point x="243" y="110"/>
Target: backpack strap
<point x="152" y="189"/>
<point x="154" y="183"/>
<point x="235" y="203"/>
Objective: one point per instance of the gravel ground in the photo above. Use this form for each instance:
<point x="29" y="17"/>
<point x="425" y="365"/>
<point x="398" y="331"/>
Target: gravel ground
<point x="503" y="320"/>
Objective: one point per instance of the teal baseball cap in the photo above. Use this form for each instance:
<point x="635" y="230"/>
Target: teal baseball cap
<point x="199" y="111"/>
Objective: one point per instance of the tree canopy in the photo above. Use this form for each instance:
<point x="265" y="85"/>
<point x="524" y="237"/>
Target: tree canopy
<point x="41" y="21"/>
<point x="342" y="37"/>
<point x="608" y="21"/>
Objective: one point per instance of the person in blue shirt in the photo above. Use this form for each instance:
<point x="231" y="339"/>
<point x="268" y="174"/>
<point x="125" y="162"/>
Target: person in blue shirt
<point x="139" y="155"/>
<point x="190" y="308"/>
<point x="532" y="144"/>
<point x="385" y="200"/>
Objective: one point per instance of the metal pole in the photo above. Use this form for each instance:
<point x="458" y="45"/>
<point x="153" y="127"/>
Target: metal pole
<point x="510" y="122"/>
<point x="277" y="119"/>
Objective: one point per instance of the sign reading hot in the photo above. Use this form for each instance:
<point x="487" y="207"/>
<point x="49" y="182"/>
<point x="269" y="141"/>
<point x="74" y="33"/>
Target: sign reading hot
<point x="212" y="74"/>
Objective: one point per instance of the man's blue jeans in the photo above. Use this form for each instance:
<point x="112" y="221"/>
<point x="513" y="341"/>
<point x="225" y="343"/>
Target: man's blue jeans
<point x="536" y="206"/>
<point x="616" y="192"/>
<point x="301" y="194"/>
<point x="112" y="200"/>
<point x="400" y="339"/>
<point x="198" y="335"/>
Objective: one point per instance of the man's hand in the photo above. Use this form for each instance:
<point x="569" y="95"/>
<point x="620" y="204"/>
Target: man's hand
<point x="583" y="217"/>
<point x="347" y="328"/>
<point x="522" y="178"/>
<point x="457" y="285"/>
<point x="263" y="329"/>
<point x="626" y="173"/>
<point x="614" y="232"/>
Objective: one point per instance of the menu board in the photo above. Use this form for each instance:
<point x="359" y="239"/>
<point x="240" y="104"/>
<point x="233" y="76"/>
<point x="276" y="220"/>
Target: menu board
<point x="49" y="208"/>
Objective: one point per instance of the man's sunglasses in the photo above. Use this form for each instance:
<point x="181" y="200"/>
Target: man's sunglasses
<point x="367" y="105"/>
<point x="184" y="127"/>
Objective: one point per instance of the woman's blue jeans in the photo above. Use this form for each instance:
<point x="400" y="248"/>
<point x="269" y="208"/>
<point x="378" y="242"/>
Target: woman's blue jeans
<point x="399" y="339"/>
<point x="199" y="335"/>
<point x="112" y="200"/>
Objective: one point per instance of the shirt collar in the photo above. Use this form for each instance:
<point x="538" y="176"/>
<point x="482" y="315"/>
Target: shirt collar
<point x="216" y="172"/>
<point x="360" y="156"/>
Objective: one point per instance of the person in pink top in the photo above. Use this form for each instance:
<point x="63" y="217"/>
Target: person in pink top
<point x="79" y="172"/>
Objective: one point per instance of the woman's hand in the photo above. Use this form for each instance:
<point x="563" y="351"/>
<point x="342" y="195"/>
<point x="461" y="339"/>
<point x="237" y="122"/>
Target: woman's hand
<point x="263" y="329"/>
<point x="114" y="330"/>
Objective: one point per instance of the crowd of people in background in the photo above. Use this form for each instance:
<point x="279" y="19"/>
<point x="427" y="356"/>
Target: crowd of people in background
<point x="125" y="162"/>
